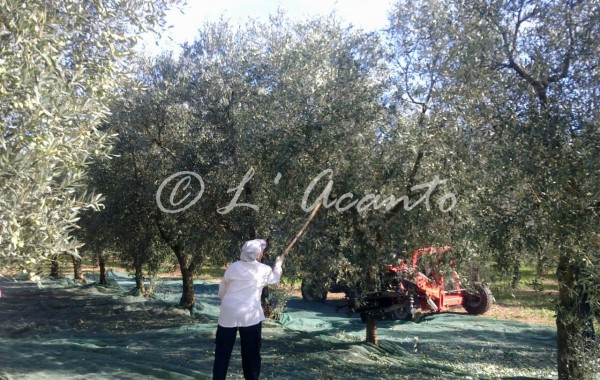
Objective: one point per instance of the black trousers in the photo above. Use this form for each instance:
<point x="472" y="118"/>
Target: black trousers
<point x="250" y="338"/>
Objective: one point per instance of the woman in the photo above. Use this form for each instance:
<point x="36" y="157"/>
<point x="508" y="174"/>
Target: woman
<point x="241" y="310"/>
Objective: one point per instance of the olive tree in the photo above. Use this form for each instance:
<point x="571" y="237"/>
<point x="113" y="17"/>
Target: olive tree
<point x="61" y="62"/>
<point x="523" y="76"/>
<point x="256" y="113"/>
<point x="328" y="150"/>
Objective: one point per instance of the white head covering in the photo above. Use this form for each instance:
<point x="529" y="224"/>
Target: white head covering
<point x="263" y="243"/>
<point x="250" y="251"/>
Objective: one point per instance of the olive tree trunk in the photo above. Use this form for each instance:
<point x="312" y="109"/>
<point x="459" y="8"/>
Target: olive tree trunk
<point x="77" y="272"/>
<point x="55" y="271"/>
<point x="372" y="331"/>
<point x="570" y="325"/>
<point x="102" y="265"/>
<point x="139" y="275"/>
<point x="187" y="275"/>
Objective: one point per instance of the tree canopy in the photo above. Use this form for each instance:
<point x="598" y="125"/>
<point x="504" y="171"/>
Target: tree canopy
<point x="61" y="65"/>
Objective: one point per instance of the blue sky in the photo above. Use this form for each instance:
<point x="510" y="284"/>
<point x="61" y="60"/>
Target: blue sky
<point x="366" y="14"/>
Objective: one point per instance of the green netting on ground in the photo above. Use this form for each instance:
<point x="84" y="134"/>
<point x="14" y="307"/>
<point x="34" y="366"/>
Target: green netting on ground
<point x="66" y="331"/>
<point x="442" y="345"/>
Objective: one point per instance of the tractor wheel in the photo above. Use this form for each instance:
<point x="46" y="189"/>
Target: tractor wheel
<point x="402" y="315"/>
<point x="312" y="293"/>
<point x="479" y="301"/>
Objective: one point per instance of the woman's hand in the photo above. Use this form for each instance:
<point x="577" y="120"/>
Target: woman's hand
<point x="279" y="261"/>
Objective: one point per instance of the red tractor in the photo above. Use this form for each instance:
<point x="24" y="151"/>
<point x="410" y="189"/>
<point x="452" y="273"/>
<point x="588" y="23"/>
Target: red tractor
<point x="408" y="288"/>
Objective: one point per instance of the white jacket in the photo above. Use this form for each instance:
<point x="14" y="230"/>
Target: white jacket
<point x="240" y="292"/>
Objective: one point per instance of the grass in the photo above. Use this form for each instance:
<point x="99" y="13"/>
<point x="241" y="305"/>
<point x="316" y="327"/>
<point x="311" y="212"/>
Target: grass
<point x="533" y="300"/>
<point x="211" y="272"/>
